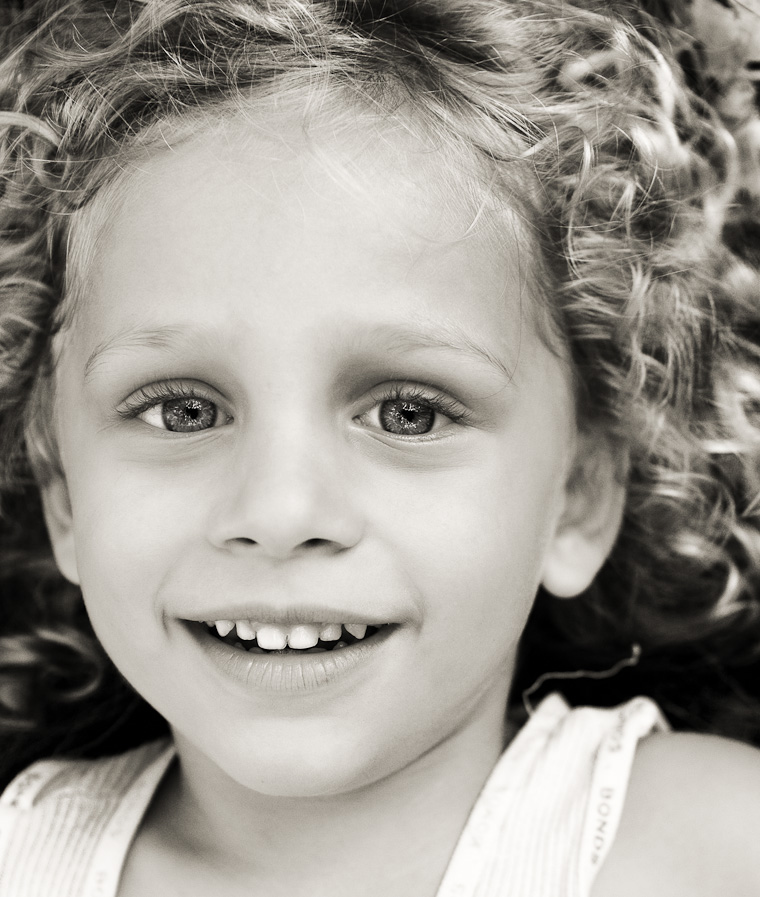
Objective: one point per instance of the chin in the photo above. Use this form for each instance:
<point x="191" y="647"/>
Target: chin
<point x="306" y="777"/>
<point x="304" y="765"/>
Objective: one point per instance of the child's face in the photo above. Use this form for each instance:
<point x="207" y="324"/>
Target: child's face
<point x="364" y="427"/>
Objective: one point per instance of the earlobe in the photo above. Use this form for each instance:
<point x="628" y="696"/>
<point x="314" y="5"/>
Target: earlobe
<point x="58" y="518"/>
<point x="590" y="521"/>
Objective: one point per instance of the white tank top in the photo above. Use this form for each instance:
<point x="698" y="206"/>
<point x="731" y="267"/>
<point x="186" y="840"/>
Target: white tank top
<point x="541" y="826"/>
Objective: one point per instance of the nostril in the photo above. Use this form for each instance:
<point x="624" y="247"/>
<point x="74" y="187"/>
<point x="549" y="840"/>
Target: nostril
<point x="308" y="543"/>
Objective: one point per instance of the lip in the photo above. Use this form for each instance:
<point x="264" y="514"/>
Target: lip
<point x="288" y="616"/>
<point x="288" y="673"/>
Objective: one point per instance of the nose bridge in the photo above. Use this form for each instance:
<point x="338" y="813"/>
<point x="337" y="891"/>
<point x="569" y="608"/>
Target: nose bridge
<point x="287" y="489"/>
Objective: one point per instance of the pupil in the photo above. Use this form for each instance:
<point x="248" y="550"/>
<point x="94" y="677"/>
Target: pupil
<point x="406" y="418"/>
<point x="188" y="415"/>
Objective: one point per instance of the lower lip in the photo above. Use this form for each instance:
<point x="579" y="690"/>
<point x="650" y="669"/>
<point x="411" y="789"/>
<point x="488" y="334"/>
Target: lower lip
<point x="284" y="673"/>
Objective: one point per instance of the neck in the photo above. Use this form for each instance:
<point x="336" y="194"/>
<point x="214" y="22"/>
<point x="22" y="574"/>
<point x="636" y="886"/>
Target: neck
<point x="396" y="834"/>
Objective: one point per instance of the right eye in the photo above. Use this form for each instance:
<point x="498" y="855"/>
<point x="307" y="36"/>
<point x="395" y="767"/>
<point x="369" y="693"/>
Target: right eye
<point x="174" y="408"/>
<point x="187" y="415"/>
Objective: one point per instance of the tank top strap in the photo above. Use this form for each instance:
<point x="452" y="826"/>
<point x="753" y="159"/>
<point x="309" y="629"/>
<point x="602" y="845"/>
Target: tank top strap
<point x="549" y="811"/>
<point x="109" y="856"/>
<point x="66" y="825"/>
<point x="622" y="731"/>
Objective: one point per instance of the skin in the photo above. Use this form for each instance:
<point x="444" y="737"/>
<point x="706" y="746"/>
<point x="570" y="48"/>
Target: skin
<point x="246" y="274"/>
<point x="690" y="821"/>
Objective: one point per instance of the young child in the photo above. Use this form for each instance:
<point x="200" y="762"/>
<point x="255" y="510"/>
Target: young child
<point x="332" y="335"/>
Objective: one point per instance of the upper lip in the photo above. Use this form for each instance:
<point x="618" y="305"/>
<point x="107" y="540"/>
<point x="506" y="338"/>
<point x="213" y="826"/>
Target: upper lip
<point x="289" y="615"/>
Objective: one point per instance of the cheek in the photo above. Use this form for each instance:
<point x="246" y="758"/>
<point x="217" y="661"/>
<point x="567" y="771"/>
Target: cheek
<point x="478" y="534"/>
<point x="130" y="530"/>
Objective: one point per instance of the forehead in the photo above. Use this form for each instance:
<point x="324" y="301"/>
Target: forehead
<point x="374" y="214"/>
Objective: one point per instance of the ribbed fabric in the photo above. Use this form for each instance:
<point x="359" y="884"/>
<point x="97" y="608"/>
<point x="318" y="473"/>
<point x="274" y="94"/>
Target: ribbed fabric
<point x="548" y="813"/>
<point x="66" y="825"/>
<point x="541" y="827"/>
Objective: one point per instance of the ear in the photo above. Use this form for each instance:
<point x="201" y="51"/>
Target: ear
<point x="588" y="526"/>
<point x="60" y="526"/>
<point x="44" y="459"/>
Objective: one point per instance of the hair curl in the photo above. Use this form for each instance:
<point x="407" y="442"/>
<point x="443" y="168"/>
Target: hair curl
<point x="624" y="179"/>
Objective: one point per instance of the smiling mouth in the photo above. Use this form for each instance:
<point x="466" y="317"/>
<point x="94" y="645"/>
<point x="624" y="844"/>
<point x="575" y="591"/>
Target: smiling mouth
<point x="313" y="638"/>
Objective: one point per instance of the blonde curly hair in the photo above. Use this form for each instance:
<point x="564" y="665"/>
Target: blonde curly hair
<point x="623" y="179"/>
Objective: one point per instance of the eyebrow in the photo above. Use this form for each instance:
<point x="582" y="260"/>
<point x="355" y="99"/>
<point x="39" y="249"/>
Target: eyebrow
<point x="440" y="335"/>
<point x="430" y="335"/>
<point x="135" y="337"/>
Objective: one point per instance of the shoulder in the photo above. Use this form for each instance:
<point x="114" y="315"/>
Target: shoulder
<point x="690" y="822"/>
<point x="54" y="815"/>
<point x="46" y="781"/>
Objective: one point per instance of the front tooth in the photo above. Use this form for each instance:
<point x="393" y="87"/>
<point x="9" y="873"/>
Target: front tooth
<point x="224" y="627"/>
<point x="271" y="637"/>
<point x="330" y="632"/>
<point x="245" y="631"/>
<point x="305" y="636"/>
<point x="357" y="630"/>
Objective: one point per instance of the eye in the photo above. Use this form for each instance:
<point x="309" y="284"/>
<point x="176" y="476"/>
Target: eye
<point x="412" y="411"/>
<point x="183" y="415"/>
<point x="175" y="408"/>
<point x="405" y="418"/>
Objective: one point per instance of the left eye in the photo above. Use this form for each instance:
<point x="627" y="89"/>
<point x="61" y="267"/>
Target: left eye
<point x="408" y="411"/>
<point x="182" y="415"/>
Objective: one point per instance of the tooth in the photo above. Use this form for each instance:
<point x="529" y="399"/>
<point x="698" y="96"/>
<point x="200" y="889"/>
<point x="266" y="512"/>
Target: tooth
<point x="273" y="638"/>
<point x="358" y="630"/>
<point x="340" y="644"/>
<point x="330" y="632"/>
<point x="245" y="631"/>
<point x="224" y="627"/>
<point x="305" y="636"/>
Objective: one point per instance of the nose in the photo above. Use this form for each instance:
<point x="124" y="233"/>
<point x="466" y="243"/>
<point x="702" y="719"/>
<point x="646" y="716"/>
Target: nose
<point x="283" y="496"/>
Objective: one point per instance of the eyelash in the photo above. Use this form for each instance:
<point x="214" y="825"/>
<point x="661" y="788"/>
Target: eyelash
<point x="148" y="397"/>
<point x="424" y="395"/>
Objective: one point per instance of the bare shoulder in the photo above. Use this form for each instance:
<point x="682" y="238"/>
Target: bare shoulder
<point x="690" y="823"/>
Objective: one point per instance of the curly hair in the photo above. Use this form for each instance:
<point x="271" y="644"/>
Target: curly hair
<point x="624" y="180"/>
